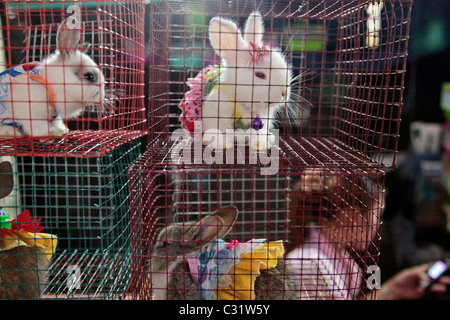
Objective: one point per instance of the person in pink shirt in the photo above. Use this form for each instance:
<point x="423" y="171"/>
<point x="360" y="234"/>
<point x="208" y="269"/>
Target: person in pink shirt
<point x="334" y="236"/>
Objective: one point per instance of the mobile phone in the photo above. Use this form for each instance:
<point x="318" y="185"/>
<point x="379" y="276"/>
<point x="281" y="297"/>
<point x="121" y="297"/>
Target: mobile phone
<point x="434" y="273"/>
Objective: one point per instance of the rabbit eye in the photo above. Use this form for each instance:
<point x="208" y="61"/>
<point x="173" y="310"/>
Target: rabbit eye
<point x="89" y="76"/>
<point x="163" y="244"/>
<point x="260" y="75"/>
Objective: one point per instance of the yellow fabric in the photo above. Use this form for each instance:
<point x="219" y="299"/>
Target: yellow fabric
<point x="44" y="242"/>
<point x="247" y="270"/>
<point x="239" y="282"/>
<point x="236" y="113"/>
<point x="145" y="293"/>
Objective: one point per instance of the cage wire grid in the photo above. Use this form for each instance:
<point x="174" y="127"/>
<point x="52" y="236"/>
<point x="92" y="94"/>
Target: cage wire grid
<point x="111" y="34"/>
<point x="85" y="203"/>
<point x="333" y="149"/>
<point x="348" y="95"/>
<point x="76" y="184"/>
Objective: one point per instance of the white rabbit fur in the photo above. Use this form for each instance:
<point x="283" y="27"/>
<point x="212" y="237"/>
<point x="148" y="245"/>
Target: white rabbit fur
<point x="238" y="80"/>
<point x="170" y="275"/>
<point x="75" y="80"/>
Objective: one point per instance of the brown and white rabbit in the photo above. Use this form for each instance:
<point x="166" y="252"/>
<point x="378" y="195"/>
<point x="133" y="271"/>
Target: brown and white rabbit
<point x="66" y="82"/>
<point x="176" y="243"/>
<point x="253" y="81"/>
<point x="23" y="270"/>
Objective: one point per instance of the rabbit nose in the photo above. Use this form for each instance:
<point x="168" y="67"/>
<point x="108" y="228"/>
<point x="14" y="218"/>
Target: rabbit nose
<point x="283" y="94"/>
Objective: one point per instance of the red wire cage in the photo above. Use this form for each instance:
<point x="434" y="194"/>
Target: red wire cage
<point x="72" y="115"/>
<point x="316" y="193"/>
<point x="88" y="97"/>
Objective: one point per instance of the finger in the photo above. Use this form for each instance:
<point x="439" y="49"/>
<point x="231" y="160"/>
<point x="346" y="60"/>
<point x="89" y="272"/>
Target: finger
<point x="438" y="288"/>
<point x="444" y="280"/>
<point x="425" y="266"/>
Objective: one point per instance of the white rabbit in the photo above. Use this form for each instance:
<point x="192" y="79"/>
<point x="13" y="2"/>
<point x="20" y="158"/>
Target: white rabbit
<point x="254" y="80"/>
<point x="55" y="89"/>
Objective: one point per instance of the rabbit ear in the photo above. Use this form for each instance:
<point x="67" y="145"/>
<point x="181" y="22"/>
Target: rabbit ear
<point x="208" y="228"/>
<point x="68" y="36"/>
<point x="226" y="39"/>
<point x="6" y="179"/>
<point x="254" y="29"/>
<point x="229" y="216"/>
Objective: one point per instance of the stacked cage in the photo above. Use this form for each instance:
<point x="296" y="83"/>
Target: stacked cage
<point x="297" y="215"/>
<point x="72" y="114"/>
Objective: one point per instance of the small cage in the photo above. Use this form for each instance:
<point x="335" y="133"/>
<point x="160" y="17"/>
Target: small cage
<point x="328" y="222"/>
<point x="305" y="202"/>
<point x="347" y="63"/>
<point x="84" y="204"/>
<point x="72" y="77"/>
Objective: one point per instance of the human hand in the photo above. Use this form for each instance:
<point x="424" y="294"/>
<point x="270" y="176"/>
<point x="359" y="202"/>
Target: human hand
<point x="405" y="284"/>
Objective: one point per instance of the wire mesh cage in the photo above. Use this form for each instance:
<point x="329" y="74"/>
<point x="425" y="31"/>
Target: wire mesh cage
<point x="270" y="126"/>
<point x="326" y="222"/>
<point x="72" y="77"/>
<point x="345" y="59"/>
<point x="83" y="250"/>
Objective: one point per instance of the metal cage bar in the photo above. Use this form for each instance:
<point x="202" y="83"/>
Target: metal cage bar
<point x="112" y="37"/>
<point x="85" y="204"/>
<point x="310" y="212"/>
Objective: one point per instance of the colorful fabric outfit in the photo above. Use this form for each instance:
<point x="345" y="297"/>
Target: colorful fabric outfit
<point x="323" y="272"/>
<point x="204" y="83"/>
<point x="31" y="70"/>
<point x="201" y="86"/>
<point x="227" y="271"/>
<point x="26" y="232"/>
<point x="191" y="105"/>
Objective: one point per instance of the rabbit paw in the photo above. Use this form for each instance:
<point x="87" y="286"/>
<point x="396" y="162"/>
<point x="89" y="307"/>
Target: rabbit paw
<point x="58" y="132"/>
<point x="9" y="131"/>
<point x="217" y="143"/>
<point x="58" y="129"/>
<point x="223" y="145"/>
<point x="261" y="141"/>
